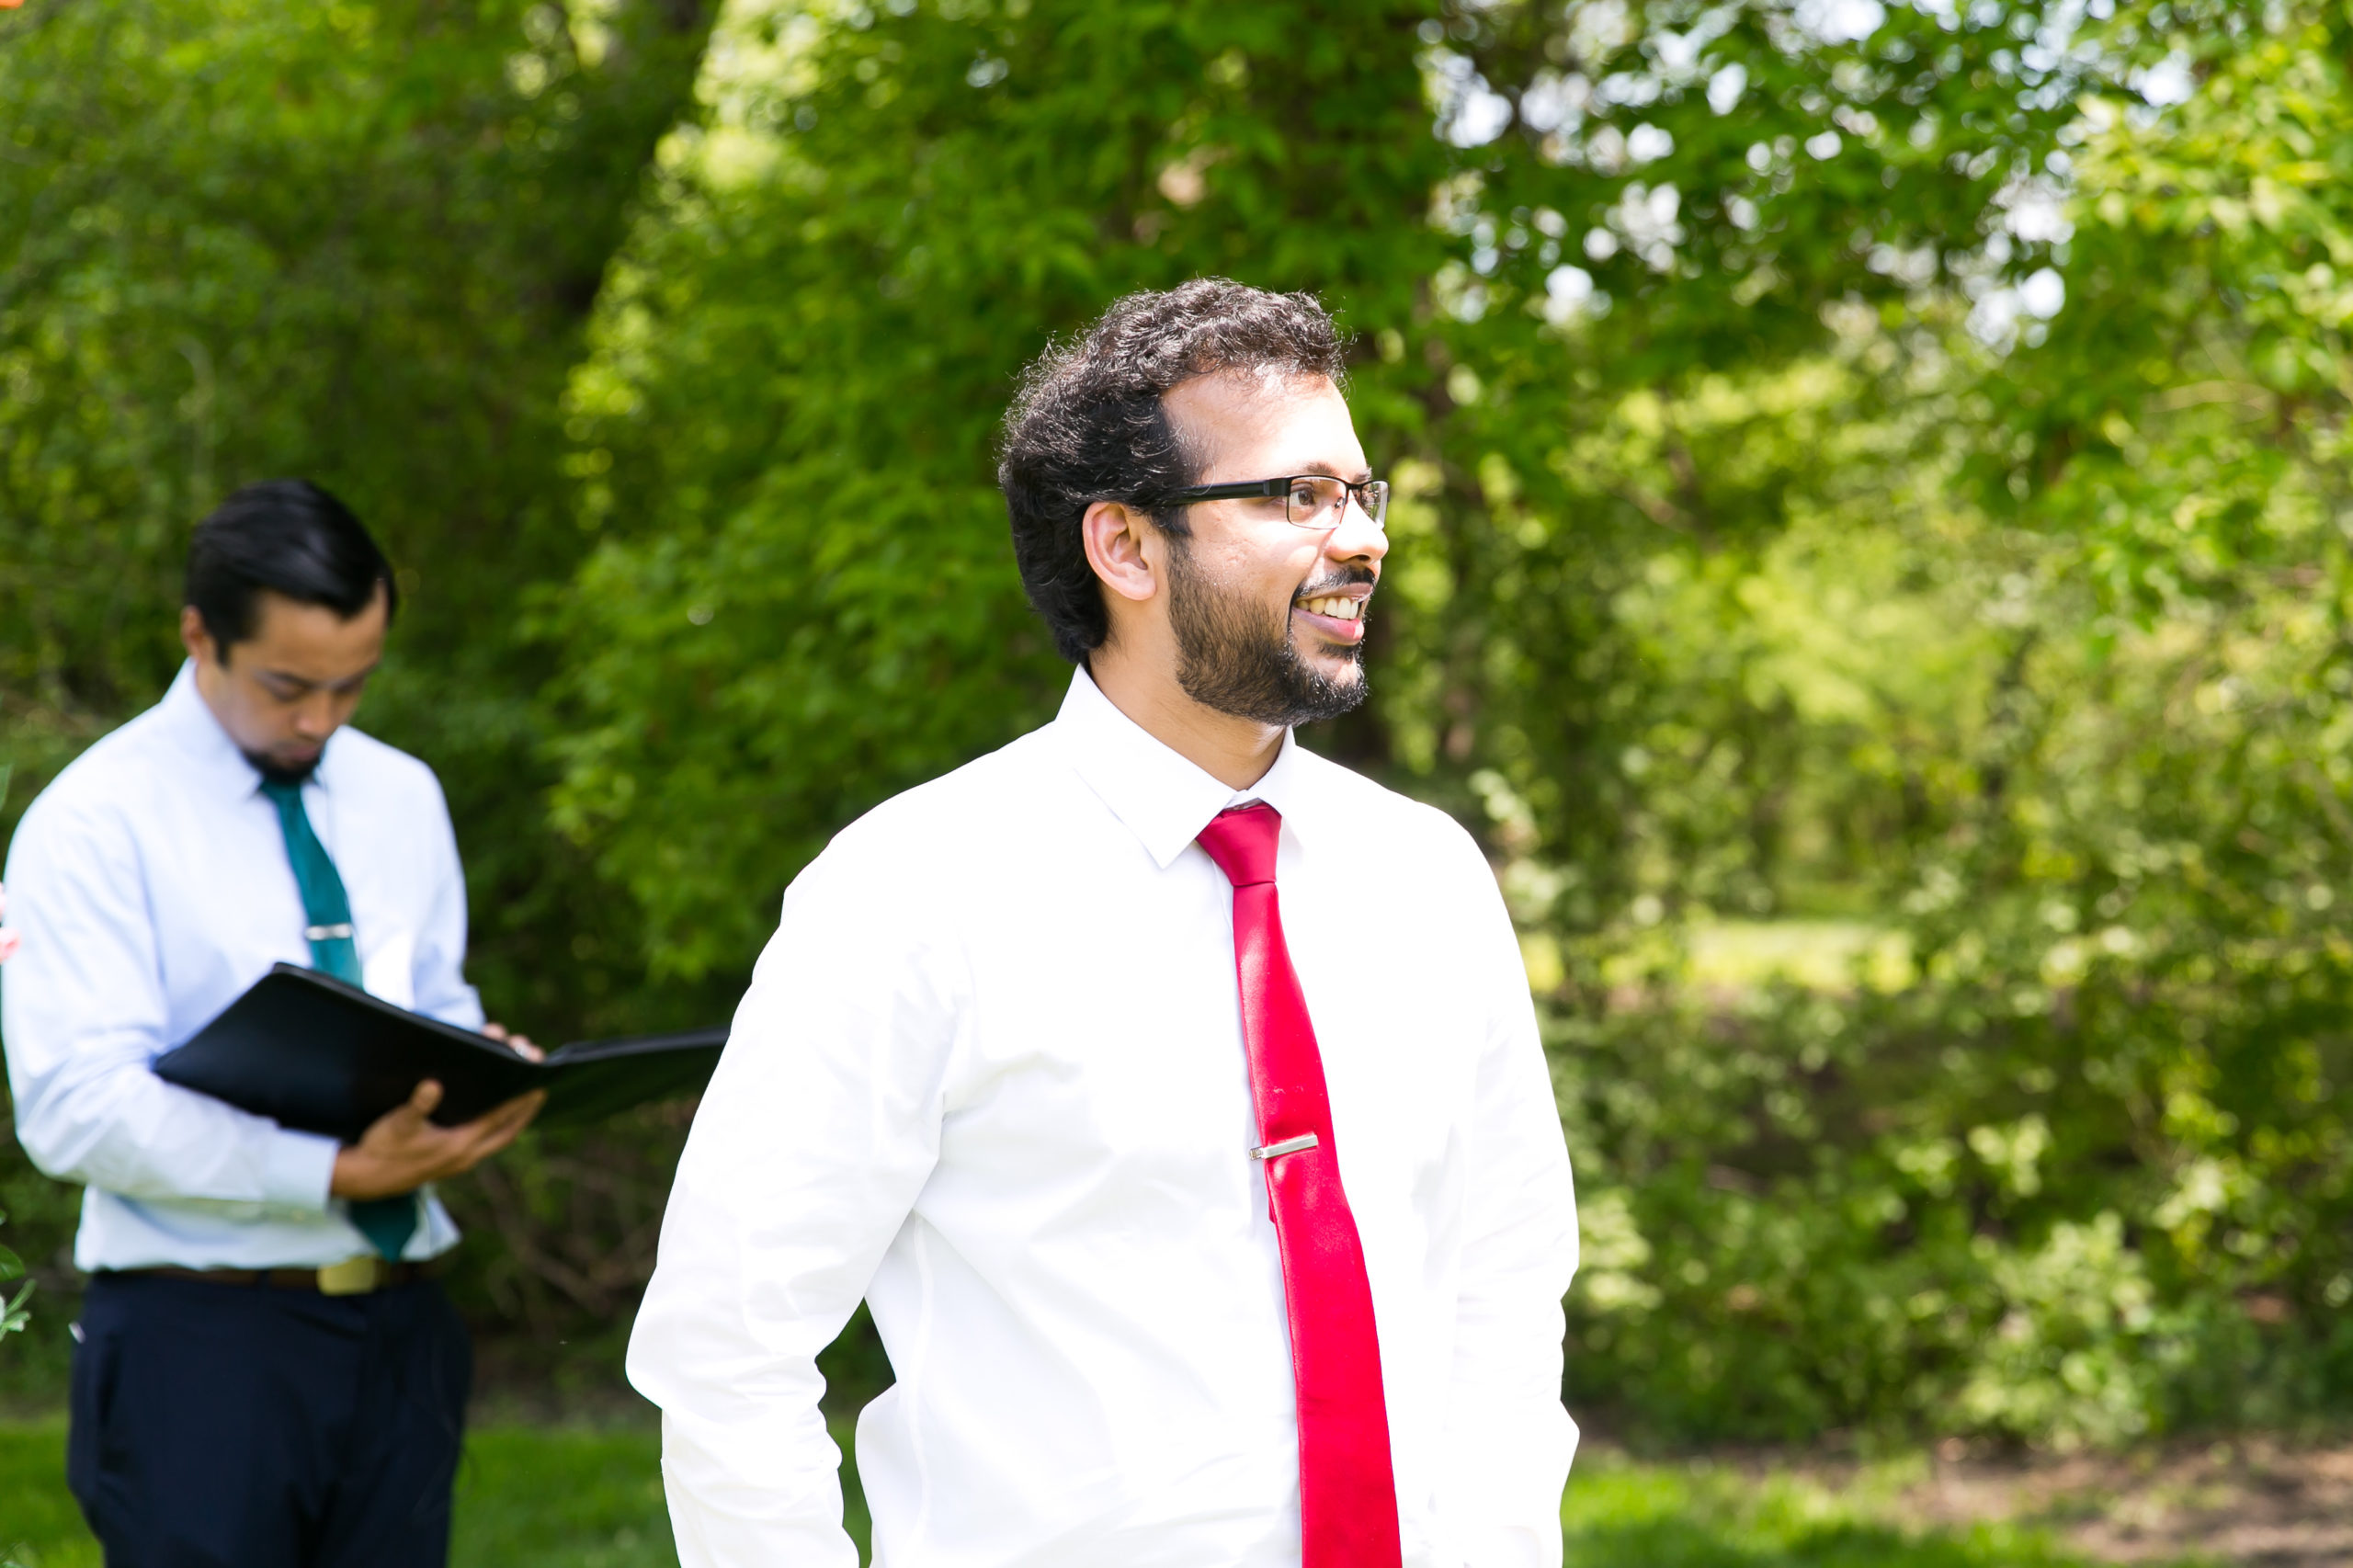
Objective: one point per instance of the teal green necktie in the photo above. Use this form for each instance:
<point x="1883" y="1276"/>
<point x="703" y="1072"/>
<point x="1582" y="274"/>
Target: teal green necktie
<point x="387" y="1222"/>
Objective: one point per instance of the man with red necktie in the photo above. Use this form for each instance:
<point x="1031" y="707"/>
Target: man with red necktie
<point x="1171" y="1094"/>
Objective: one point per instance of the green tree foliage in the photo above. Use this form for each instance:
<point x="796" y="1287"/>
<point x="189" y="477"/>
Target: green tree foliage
<point x="2043" y="674"/>
<point x="357" y="242"/>
<point x="1869" y="556"/>
<point x="914" y="198"/>
<point x="12" y="1315"/>
<point x="1870" y="559"/>
<point x="803" y="598"/>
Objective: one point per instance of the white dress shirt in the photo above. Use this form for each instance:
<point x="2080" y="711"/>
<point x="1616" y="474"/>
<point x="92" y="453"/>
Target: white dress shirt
<point x="990" y="1077"/>
<point x="152" y="886"/>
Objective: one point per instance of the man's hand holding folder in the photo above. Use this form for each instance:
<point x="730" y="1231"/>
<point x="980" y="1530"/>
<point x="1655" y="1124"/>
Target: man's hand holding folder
<point x="403" y="1149"/>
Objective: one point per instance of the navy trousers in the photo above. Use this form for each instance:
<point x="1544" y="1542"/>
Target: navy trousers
<point x="247" y="1426"/>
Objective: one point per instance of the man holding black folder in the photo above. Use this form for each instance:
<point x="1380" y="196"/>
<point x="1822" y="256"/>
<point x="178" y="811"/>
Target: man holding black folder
<point x="266" y="1375"/>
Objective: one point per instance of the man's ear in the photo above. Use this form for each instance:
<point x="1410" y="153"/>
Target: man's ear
<point x="196" y="637"/>
<point x="1115" y="536"/>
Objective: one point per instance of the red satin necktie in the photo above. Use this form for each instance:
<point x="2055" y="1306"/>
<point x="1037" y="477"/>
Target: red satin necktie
<point x="1347" y="1494"/>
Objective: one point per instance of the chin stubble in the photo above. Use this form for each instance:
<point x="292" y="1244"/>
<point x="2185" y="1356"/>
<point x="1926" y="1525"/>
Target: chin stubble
<point x="1233" y="659"/>
<point x="277" y="774"/>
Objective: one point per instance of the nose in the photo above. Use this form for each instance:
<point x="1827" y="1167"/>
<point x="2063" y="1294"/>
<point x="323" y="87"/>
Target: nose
<point x="315" y="720"/>
<point x="1358" y="538"/>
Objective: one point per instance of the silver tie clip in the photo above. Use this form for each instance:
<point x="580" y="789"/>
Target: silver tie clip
<point x="326" y="932"/>
<point x="1288" y="1146"/>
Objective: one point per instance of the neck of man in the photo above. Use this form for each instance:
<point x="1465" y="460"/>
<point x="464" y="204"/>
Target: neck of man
<point x="1140" y="679"/>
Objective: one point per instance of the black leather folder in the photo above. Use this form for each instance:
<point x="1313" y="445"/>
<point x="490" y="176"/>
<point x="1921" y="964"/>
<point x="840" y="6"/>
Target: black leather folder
<point x="316" y="1054"/>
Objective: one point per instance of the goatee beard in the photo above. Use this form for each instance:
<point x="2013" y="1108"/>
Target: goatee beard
<point x="278" y="773"/>
<point x="1234" y="660"/>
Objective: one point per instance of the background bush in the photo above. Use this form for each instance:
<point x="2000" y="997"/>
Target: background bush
<point x="1871" y="561"/>
<point x="358" y="243"/>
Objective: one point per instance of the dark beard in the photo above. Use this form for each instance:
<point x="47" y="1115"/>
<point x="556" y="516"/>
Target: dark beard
<point x="273" y="774"/>
<point x="1230" y="659"/>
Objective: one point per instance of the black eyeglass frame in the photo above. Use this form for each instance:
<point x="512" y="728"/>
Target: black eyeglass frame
<point x="1365" y="492"/>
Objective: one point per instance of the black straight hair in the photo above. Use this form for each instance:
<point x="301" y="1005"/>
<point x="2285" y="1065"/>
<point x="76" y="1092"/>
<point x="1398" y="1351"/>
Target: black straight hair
<point x="292" y="538"/>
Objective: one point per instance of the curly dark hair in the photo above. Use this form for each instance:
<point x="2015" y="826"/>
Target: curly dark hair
<point x="1089" y="424"/>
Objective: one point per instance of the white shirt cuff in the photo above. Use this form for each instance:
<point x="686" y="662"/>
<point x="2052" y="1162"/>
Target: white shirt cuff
<point x="298" y="1170"/>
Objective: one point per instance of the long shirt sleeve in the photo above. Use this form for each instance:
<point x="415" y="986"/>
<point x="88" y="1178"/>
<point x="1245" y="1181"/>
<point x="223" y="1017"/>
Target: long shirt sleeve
<point x="1511" y="1440"/>
<point x="818" y="1133"/>
<point x="86" y="1013"/>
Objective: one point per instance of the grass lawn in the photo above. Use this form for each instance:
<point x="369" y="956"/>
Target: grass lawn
<point x="1624" y="1514"/>
<point x="527" y="1497"/>
<point x="576" y="1497"/>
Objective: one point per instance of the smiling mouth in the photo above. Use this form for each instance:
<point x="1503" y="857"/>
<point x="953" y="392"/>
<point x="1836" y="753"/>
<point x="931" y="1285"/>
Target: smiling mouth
<point x="1337" y="607"/>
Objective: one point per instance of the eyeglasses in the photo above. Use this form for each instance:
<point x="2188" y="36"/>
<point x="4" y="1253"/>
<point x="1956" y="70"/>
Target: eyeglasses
<point x="1310" y="500"/>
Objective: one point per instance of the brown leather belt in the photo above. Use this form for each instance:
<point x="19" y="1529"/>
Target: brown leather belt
<point x="352" y="1276"/>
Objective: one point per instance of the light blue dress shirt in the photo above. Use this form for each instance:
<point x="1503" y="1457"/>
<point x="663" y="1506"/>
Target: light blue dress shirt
<point x="150" y="886"/>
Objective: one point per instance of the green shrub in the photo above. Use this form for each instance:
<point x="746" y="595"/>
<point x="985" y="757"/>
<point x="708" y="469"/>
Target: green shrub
<point x="12" y="1315"/>
<point x="1870" y="560"/>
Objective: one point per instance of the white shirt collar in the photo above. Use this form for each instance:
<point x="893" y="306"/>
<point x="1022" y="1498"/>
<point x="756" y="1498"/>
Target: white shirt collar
<point x="1162" y="797"/>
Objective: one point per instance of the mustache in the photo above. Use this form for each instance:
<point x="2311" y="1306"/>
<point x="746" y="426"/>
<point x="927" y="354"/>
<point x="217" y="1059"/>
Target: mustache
<point x="1342" y="577"/>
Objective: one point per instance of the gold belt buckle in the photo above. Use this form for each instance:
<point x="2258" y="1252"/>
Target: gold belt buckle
<point x="352" y="1276"/>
